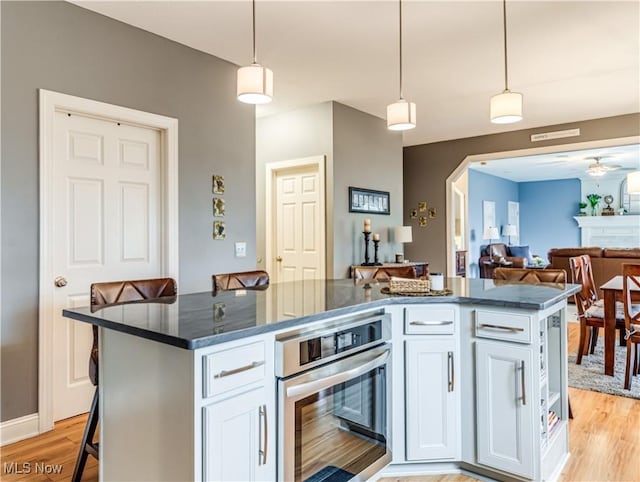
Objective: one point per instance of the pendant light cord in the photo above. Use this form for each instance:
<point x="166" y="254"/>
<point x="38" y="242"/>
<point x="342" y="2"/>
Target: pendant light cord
<point x="253" y="4"/>
<point x="400" y="30"/>
<point x="504" y="25"/>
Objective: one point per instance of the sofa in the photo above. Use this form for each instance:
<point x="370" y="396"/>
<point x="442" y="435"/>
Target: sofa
<point x="605" y="262"/>
<point x="499" y="251"/>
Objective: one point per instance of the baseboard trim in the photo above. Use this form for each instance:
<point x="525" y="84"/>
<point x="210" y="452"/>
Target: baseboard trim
<point x="19" y="429"/>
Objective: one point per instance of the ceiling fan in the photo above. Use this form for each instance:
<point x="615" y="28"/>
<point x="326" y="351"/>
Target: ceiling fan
<point x="598" y="170"/>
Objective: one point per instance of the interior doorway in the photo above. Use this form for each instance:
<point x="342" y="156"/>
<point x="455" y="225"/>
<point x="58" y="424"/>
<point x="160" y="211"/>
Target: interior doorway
<point x="108" y="211"/>
<point x="457" y="190"/>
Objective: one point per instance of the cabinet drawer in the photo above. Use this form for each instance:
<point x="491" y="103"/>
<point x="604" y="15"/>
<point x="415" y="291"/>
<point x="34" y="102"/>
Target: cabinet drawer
<point x="503" y="326"/>
<point x="429" y="320"/>
<point x="229" y="369"/>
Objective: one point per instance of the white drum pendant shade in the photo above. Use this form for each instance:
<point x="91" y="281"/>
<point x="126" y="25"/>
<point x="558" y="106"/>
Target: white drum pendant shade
<point x="255" y="84"/>
<point x="633" y="182"/>
<point x="401" y="115"/>
<point x="506" y="107"/>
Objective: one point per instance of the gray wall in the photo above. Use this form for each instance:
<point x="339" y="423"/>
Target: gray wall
<point x="360" y="152"/>
<point x="365" y="154"/>
<point x="427" y="166"/>
<point x="64" y="48"/>
<point x="291" y="135"/>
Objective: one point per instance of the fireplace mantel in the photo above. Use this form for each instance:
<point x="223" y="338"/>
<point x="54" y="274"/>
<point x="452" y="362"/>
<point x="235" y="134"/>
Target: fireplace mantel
<point x="610" y="231"/>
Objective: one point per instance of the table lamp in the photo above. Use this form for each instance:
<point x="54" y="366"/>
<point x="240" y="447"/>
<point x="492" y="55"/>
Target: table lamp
<point x="402" y="234"/>
<point x="490" y="233"/>
<point x="509" y="230"/>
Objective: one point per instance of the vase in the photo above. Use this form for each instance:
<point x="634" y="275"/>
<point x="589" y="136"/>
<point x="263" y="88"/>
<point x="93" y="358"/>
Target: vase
<point x="594" y="210"/>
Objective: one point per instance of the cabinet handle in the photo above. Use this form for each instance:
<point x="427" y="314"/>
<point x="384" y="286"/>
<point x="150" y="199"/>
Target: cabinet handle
<point x="264" y="435"/>
<point x="431" y="323"/>
<point x="226" y="373"/>
<point x="499" y="327"/>
<point x="452" y="372"/>
<point x="524" y="393"/>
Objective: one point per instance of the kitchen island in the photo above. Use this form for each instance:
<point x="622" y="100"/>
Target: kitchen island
<point x="164" y="384"/>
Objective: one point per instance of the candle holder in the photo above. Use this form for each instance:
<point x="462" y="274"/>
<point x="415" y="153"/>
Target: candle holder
<point x="376" y="262"/>
<point x="367" y="234"/>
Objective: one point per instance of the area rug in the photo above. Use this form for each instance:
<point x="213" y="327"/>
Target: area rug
<point x="590" y="374"/>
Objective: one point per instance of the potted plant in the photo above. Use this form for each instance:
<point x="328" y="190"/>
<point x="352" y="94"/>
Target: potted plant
<point x="594" y="200"/>
<point x="583" y="206"/>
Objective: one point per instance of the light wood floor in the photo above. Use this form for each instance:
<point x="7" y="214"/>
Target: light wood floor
<point x="604" y="442"/>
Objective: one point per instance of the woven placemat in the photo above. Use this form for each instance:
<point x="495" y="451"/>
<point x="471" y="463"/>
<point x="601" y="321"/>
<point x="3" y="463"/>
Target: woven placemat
<point x="444" y="292"/>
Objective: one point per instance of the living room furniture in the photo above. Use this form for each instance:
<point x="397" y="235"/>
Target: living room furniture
<point x="421" y="268"/>
<point x="606" y="262"/>
<point x="499" y="251"/>
<point x="591" y="310"/>
<point x="383" y="273"/>
<point x="612" y="290"/>
<point x="105" y="294"/>
<point x="631" y="282"/>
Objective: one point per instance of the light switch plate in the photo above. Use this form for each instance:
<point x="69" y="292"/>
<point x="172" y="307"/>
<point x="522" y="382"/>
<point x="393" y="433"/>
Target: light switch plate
<point x="241" y="250"/>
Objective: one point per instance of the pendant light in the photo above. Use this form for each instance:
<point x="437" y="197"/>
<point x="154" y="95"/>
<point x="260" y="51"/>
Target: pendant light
<point x="506" y="107"/>
<point x="255" y="82"/>
<point x="401" y="115"/>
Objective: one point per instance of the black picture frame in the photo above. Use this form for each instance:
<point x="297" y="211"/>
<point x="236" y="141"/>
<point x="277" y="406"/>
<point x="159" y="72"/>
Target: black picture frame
<point x="369" y="201"/>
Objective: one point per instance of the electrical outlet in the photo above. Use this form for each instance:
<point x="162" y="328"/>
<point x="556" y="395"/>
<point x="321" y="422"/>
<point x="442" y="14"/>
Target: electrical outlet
<point x="241" y="250"/>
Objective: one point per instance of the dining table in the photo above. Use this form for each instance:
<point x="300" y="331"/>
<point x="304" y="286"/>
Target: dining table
<point x="612" y="292"/>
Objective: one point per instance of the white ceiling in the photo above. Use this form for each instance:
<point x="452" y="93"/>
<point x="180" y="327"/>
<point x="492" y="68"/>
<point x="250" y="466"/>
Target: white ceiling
<point x="572" y="60"/>
<point x="563" y="165"/>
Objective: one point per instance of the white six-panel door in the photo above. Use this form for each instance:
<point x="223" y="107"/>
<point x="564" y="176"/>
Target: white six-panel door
<point x="107" y="226"/>
<point x="299" y="239"/>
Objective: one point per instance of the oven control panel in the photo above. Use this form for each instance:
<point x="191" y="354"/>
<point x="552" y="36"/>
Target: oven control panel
<point x="305" y="350"/>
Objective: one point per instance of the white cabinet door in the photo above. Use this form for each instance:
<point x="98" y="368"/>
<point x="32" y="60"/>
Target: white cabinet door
<point x="431" y="399"/>
<point x="235" y="439"/>
<point x="505" y="408"/>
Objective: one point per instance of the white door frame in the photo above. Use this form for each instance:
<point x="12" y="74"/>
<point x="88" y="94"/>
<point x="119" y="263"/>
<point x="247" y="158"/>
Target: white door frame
<point x="50" y="103"/>
<point x="272" y="169"/>
<point x="492" y="156"/>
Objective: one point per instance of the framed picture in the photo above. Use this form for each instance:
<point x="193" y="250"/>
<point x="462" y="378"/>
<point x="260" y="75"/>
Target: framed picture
<point x="218" y="184"/>
<point x="422" y="206"/>
<point x="432" y="213"/>
<point x="488" y="215"/>
<point x="368" y="201"/>
<point x="218" y="207"/>
<point x="413" y="214"/>
<point x="219" y="230"/>
<point x="423" y="221"/>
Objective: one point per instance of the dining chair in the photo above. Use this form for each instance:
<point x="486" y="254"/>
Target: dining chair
<point x="531" y="276"/>
<point x="257" y="279"/>
<point x="590" y="308"/>
<point x="103" y="295"/>
<point x="631" y="281"/>
<point x="381" y="273"/>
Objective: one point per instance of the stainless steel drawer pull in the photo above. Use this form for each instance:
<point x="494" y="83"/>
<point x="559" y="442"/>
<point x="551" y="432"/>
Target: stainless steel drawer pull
<point x="499" y="327"/>
<point x="264" y="435"/>
<point x="227" y="373"/>
<point x="524" y="393"/>
<point x="431" y="323"/>
<point x="452" y="373"/>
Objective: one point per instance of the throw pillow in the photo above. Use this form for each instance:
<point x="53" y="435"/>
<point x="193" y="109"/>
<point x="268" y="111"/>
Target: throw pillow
<point x="522" y="252"/>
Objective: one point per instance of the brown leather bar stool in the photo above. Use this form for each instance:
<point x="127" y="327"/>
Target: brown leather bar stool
<point x="257" y="279"/>
<point x="102" y="295"/>
<point x="380" y="273"/>
<point x="531" y="276"/>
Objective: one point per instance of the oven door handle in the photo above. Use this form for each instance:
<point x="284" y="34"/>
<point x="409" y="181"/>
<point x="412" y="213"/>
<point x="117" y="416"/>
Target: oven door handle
<point x="309" y="388"/>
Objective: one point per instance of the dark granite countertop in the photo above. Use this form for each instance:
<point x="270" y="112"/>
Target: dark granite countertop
<point x="202" y="319"/>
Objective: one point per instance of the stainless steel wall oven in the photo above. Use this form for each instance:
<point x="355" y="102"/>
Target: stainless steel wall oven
<point x="334" y="400"/>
